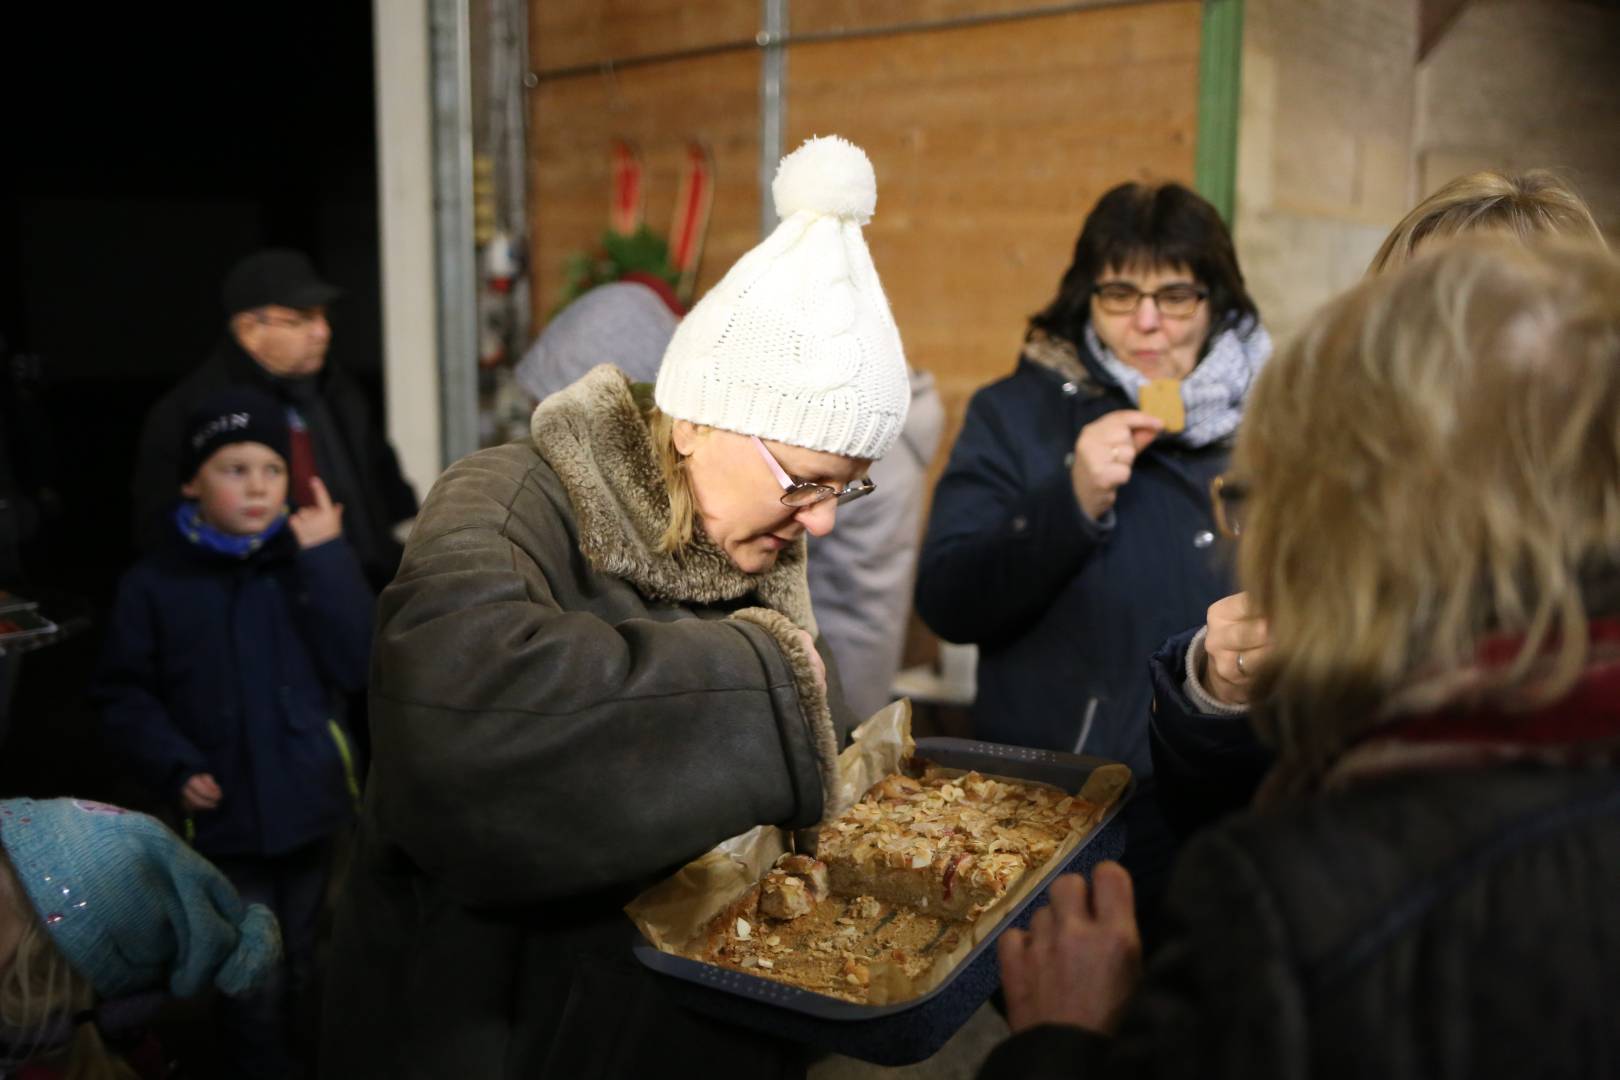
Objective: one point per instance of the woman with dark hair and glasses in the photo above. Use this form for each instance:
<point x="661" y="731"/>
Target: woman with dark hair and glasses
<point x="1072" y="532"/>
<point x="599" y="660"/>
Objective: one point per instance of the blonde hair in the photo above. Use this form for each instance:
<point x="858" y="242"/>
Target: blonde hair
<point x="682" y="527"/>
<point x="39" y="985"/>
<point x="1525" y="205"/>
<point x="1434" y="462"/>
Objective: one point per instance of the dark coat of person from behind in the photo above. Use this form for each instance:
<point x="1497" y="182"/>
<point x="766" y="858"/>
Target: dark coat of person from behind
<point x="1423" y="926"/>
<point x="237" y="668"/>
<point x="352" y="455"/>
<point x="562" y="716"/>
<point x="1065" y="611"/>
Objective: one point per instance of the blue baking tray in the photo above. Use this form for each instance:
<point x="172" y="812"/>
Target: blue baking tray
<point x="910" y="1031"/>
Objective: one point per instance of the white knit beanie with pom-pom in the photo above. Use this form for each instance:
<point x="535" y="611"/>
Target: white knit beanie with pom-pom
<point x="796" y="343"/>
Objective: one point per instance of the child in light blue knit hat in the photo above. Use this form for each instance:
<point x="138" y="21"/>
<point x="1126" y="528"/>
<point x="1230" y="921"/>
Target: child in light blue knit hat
<point x="98" y="903"/>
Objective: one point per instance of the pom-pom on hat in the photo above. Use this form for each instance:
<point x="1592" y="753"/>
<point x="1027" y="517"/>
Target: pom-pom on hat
<point x="796" y="343"/>
<point x="132" y="907"/>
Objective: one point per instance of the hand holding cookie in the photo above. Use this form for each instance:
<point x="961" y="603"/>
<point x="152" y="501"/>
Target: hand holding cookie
<point x="1104" y="453"/>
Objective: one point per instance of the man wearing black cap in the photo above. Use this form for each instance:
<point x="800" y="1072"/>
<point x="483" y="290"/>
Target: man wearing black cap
<point x="276" y="340"/>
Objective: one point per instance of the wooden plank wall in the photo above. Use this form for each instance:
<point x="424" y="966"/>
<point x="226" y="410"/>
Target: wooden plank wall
<point x="658" y="108"/>
<point x="990" y="142"/>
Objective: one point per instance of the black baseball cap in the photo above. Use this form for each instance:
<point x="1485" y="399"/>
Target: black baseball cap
<point x="275" y="276"/>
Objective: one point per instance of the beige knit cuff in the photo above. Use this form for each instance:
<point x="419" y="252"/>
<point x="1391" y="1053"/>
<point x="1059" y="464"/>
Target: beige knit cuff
<point x="1204" y="701"/>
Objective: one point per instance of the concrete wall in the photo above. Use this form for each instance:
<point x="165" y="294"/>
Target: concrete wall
<point x="1522" y="84"/>
<point x="1342" y="128"/>
<point x="1324" y="146"/>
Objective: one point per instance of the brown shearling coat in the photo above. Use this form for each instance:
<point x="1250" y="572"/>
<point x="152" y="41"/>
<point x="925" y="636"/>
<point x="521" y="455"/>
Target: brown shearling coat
<point x="561" y="715"/>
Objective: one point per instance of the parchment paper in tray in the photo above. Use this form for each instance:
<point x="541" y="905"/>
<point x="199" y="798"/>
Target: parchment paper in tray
<point x="677" y="910"/>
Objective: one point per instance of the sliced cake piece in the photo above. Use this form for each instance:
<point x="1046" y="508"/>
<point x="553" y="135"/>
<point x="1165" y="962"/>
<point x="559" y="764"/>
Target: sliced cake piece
<point x="793" y="887"/>
<point x="946" y="845"/>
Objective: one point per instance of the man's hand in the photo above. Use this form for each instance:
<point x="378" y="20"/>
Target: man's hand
<point x="1081" y="958"/>
<point x="1234" y="630"/>
<point x="315" y="525"/>
<point x="1103" y="454"/>
<point x="200" y="793"/>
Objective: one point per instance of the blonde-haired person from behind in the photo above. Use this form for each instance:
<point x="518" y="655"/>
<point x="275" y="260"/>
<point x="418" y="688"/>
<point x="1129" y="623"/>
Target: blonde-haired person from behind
<point x="102" y="913"/>
<point x="1524" y="205"/>
<point x="1207" y="759"/>
<point x="1427" y="884"/>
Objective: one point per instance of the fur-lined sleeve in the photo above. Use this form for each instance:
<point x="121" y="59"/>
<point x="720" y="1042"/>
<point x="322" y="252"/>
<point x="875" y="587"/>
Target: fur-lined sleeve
<point x="812" y="698"/>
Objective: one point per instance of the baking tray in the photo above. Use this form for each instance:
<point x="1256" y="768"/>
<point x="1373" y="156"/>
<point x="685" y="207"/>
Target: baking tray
<point x="908" y="1031"/>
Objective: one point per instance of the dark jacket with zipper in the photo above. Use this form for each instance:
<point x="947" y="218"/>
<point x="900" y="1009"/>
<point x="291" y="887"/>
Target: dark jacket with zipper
<point x="352" y="455"/>
<point x="237" y="668"/>
<point x="1065" y="610"/>
<point x="562" y="716"/>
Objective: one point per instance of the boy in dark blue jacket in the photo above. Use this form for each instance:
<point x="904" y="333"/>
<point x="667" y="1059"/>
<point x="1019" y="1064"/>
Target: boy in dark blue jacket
<point x="222" y="685"/>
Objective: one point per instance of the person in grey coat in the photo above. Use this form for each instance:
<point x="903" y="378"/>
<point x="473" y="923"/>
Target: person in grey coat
<point x="598" y="660"/>
<point x="623" y="323"/>
<point x="861" y="576"/>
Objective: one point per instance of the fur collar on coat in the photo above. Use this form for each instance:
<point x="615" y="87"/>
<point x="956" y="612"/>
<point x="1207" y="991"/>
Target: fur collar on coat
<point x="594" y="436"/>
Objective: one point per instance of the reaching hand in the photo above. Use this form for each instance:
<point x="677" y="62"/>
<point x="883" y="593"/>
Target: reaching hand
<point x="200" y="793"/>
<point x="1235" y="643"/>
<point x="1103" y="454"/>
<point x="314" y="525"/>
<point x="1081" y="958"/>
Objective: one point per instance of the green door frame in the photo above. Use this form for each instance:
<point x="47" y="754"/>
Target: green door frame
<point x="1220" y="78"/>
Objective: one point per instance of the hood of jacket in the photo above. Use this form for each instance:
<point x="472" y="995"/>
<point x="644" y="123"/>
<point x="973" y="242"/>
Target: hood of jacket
<point x="594" y="436"/>
<point x="1068" y="362"/>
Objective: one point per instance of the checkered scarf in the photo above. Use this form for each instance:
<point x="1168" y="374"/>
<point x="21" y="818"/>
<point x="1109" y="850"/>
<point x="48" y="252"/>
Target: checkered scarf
<point x="1213" y="394"/>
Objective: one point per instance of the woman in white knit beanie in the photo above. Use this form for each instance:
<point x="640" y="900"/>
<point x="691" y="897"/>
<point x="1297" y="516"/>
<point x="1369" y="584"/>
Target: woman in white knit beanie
<point x="599" y="660"/>
<point x="794" y="352"/>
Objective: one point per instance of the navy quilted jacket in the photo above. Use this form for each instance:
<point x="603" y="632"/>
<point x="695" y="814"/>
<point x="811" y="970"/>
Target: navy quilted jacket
<point x="1065" y="613"/>
<point x="236" y="667"/>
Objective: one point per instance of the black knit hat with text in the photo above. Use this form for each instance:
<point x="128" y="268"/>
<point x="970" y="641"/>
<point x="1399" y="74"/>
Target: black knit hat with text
<point x="235" y="414"/>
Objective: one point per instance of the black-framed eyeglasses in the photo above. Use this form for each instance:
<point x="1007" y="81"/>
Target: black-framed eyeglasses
<point x="1226" y="495"/>
<point x="800" y="494"/>
<point x="1174" y="301"/>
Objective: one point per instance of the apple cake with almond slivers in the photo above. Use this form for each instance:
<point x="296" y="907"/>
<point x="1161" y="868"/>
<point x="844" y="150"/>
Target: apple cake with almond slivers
<point x="895" y="885"/>
<point x="859" y="948"/>
<point x="948" y="845"/>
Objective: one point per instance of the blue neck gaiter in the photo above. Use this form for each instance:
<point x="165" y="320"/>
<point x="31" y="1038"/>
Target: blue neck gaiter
<point x="199" y="532"/>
